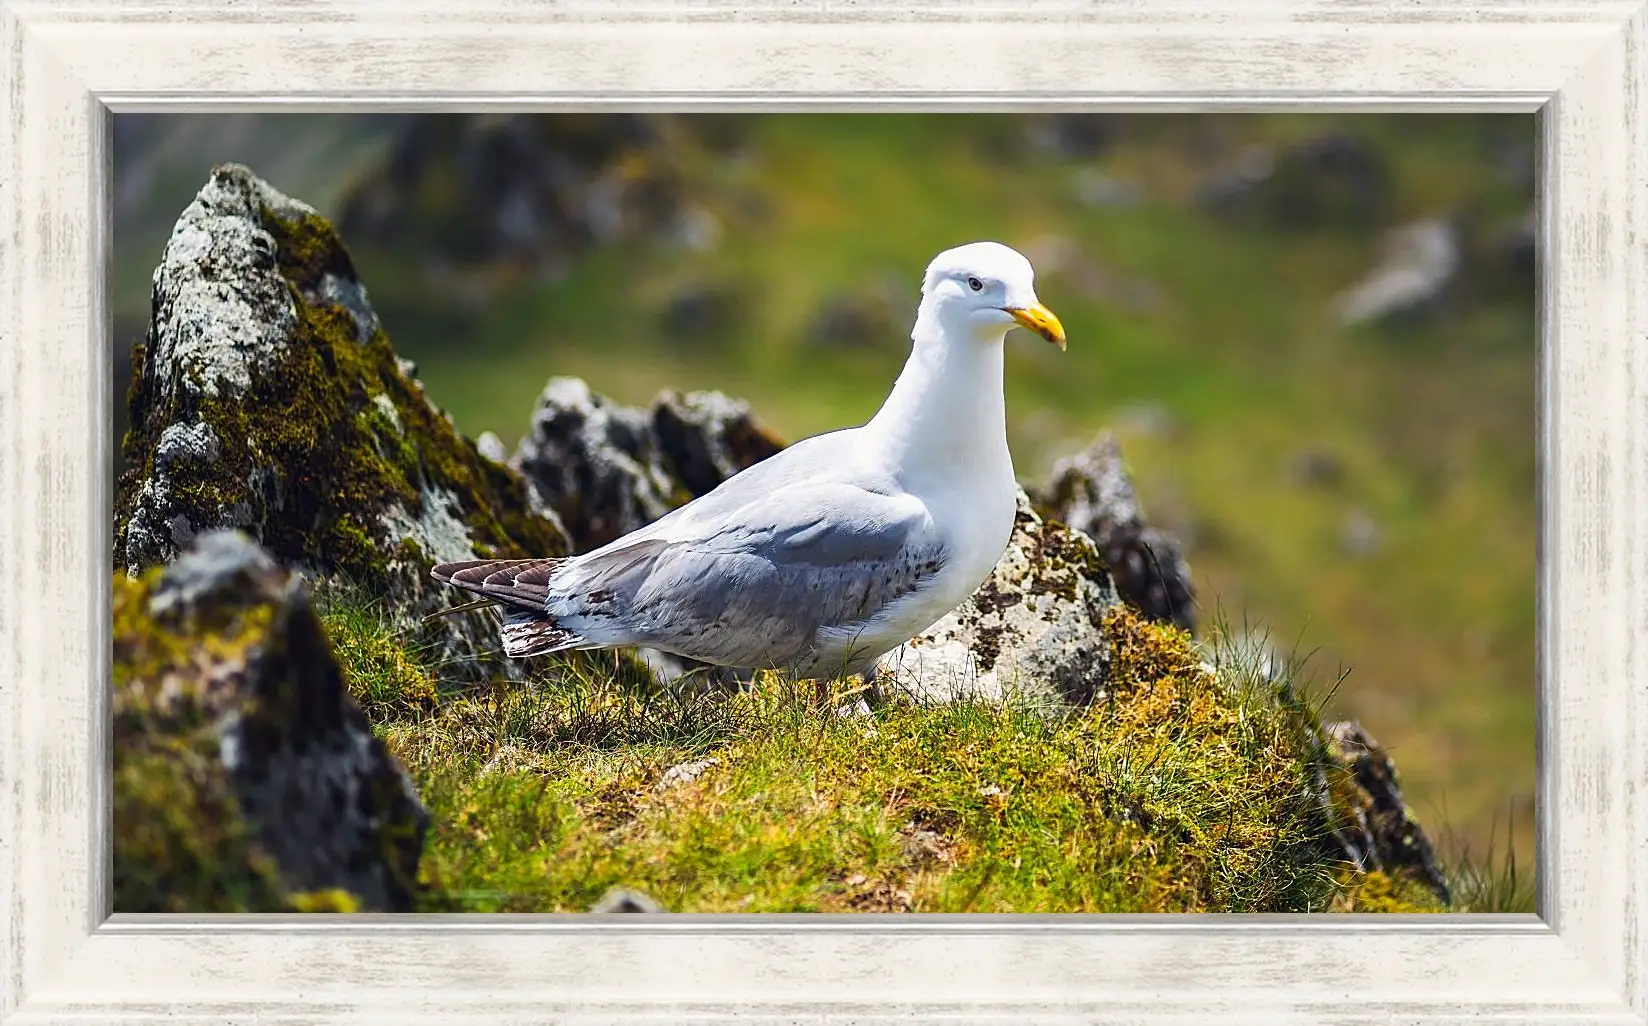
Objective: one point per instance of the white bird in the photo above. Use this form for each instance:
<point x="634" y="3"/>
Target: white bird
<point x="838" y="549"/>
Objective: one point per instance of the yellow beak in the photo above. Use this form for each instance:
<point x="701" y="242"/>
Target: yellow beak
<point x="1040" y="320"/>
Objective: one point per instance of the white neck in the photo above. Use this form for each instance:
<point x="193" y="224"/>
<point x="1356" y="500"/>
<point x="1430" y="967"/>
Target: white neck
<point x="946" y="412"/>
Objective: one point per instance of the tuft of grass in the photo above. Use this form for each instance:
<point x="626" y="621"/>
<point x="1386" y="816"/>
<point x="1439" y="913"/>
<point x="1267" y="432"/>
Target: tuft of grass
<point x="1180" y="789"/>
<point x="386" y="676"/>
<point x="1492" y="881"/>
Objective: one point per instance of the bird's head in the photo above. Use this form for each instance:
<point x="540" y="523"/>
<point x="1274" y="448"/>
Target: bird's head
<point x="987" y="288"/>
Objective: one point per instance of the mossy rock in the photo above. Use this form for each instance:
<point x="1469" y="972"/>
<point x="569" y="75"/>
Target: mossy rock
<point x="605" y="469"/>
<point x="1379" y="832"/>
<point x="245" y="777"/>
<point x="1093" y="493"/>
<point x="266" y="397"/>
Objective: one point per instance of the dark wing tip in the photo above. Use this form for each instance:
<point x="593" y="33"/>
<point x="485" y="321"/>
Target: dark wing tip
<point x="526" y="635"/>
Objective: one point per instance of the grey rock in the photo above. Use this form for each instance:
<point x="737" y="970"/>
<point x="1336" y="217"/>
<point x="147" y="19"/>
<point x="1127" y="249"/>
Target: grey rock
<point x="1335" y="179"/>
<point x="266" y="398"/>
<point x="853" y="321"/>
<point x="1359" y="535"/>
<point x="1073" y="136"/>
<point x="1375" y="826"/>
<point x="683" y="773"/>
<point x="531" y="190"/>
<point x="261" y="720"/>
<point x="338" y="290"/>
<point x="1318" y="468"/>
<point x="1420" y="263"/>
<point x="698" y="229"/>
<point x="872" y="313"/>
<point x="606" y="469"/>
<point x="222" y="312"/>
<point x="492" y="447"/>
<point x="193" y="443"/>
<point x="221" y="564"/>
<point x="622" y="899"/>
<point x="700" y="310"/>
<point x="1093" y="493"/>
<point x="706" y="437"/>
<point x="1094" y="188"/>
<point x="1031" y="634"/>
<point x="594" y="462"/>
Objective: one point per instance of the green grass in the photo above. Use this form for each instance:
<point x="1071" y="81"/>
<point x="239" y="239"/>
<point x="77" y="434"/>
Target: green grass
<point x="1432" y="423"/>
<point x="1180" y="791"/>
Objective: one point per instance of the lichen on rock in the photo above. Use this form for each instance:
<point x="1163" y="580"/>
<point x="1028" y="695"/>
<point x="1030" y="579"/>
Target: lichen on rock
<point x="266" y="397"/>
<point x="605" y="469"/>
<point x="245" y="777"/>
<point x="1093" y="493"/>
<point x="1033" y="631"/>
<point x="707" y="437"/>
<point x="594" y="463"/>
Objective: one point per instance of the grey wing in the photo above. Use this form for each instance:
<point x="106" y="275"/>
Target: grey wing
<point x="794" y="467"/>
<point x="754" y="586"/>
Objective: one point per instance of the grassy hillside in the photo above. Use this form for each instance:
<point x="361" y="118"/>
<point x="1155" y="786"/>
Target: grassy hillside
<point x="1226" y="330"/>
<point x="1209" y="345"/>
<point x="1181" y="791"/>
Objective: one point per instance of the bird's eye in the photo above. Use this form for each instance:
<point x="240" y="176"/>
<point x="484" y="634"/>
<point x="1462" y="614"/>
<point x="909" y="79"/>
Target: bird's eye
<point x="975" y="284"/>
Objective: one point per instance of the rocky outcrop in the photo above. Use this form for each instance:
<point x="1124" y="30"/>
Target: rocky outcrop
<point x="622" y="899"/>
<point x="1333" y="179"/>
<point x="245" y="777"/>
<point x="266" y="397"/>
<point x="865" y="316"/>
<point x="604" y="469"/>
<point x="1374" y="825"/>
<point x="1032" y="633"/>
<point x="531" y="190"/>
<point x="1420" y="263"/>
<point x="1093" y="493"/>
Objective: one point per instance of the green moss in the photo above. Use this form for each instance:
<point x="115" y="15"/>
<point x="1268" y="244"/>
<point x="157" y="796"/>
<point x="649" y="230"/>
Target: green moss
<point x="1384" y="892"/>
<point x="181" y="841"/>
<point x="333" y="900"/>
<point x="1059" y="561"/>
<point x="312" y="438"/>
<point x="1177" y="790"/>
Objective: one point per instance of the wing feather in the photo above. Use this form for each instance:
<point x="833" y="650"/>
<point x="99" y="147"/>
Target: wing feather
<point x="755" y="585"/>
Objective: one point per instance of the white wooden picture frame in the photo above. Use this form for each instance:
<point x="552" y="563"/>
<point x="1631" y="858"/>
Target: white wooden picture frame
<point x="66" y="64"/>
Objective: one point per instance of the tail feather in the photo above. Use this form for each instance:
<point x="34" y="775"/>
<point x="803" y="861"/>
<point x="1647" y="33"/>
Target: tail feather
<point x="520" y="583"/>
<point x="522" y="586"/>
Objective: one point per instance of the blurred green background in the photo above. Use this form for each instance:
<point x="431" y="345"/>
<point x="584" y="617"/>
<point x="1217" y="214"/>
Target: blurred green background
<point x="1352" y="472"/>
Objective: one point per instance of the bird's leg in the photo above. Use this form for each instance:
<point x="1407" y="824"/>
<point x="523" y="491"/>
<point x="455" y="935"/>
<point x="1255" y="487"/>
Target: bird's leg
<point x="871" y="691"/>
<point x="863" y="685"/>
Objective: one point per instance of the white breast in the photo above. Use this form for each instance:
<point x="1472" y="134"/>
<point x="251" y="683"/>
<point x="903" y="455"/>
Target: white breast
<point x="975" y="522"/>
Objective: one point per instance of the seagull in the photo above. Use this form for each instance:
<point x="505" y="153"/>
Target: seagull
<point x="833" y="552"/>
